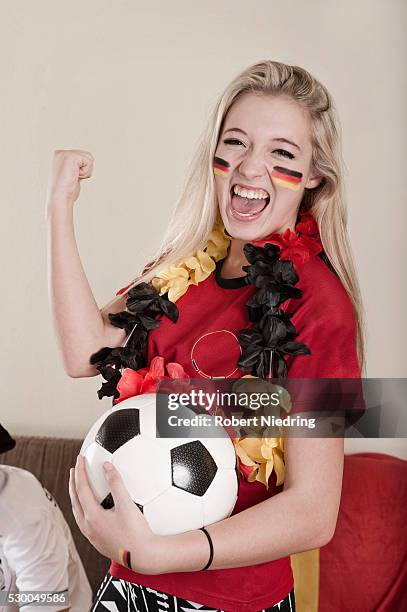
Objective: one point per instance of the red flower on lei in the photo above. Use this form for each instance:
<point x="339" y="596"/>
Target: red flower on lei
<point x="146" y="380"/>
<point x="298" y="246"/>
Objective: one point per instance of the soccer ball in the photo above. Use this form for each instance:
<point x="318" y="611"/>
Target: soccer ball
<point x="178" y="483"/>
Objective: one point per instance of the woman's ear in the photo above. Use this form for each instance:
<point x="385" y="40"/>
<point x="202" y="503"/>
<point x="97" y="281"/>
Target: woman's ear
<point x="313" y="181"/>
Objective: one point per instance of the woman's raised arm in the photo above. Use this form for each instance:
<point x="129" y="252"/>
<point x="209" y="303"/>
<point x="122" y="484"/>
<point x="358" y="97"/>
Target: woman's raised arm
<point x="81" y="327"/>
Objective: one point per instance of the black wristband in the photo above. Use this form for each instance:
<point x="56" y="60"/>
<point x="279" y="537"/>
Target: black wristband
<point x="210" y="548"/>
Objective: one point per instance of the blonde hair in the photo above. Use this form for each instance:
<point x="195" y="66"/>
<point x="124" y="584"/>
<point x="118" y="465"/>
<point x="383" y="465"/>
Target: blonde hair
<point x="196" y="210"/>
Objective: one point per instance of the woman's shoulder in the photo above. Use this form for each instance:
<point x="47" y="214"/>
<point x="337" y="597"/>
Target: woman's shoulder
<point x="325" y="320"/>
<point x="322" y="290"/>
<point x="21" y="484"/>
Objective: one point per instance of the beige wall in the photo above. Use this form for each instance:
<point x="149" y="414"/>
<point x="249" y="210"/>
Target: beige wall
<point x="133" y="82"/>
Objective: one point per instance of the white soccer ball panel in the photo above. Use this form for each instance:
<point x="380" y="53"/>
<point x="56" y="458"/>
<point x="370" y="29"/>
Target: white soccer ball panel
<point x="137" y="401"/>
<point x="220" y="498"/>
<point x="222" y="451"/>
<point x="197" y="430"/>
<point x="145" y="468"/>
<point x="148" y="426"/>
<point x="174" y="511"/>
<point x="95" y="456"/>
<point x="170" y="443"/>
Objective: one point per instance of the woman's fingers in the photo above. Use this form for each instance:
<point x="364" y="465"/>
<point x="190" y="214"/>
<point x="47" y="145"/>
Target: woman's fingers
<point x="120" y="494"/>
<point x="76" y="506"/>
<point x="85" y="495"/>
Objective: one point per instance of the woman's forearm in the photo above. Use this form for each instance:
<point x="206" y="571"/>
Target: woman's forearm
<point x="277" y="527"/>
<point x="78" y="323"/>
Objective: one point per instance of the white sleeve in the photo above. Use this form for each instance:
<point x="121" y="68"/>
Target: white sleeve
<point x="38" y="553"/>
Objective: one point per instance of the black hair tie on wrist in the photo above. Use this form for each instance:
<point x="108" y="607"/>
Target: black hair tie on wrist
<point x="210" y="547"/>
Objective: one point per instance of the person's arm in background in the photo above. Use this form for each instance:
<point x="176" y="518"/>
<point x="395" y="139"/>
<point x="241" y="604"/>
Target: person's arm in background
<point x="39" y="557"/>
<point x="81" y="327"/>
<point x="37" y="545"/>
<point x="34" y="545"/>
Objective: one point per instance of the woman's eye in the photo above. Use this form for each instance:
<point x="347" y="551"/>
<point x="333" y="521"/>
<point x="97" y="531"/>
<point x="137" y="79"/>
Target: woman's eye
<point x="281" y="152"/>
<point x="232" y="141"/>
<point x="284" y="153"/>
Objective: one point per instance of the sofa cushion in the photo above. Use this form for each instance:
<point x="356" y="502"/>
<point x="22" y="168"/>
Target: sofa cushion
<point x="364" y="566"/>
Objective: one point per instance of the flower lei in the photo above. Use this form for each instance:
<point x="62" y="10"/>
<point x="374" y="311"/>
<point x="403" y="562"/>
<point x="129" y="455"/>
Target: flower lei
<point x="195" y="269"/>
<point x="264" y="345"/>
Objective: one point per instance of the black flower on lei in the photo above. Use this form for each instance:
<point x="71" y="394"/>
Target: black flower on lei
<point x="143" y="305"/>
<point x="273" y="335"/>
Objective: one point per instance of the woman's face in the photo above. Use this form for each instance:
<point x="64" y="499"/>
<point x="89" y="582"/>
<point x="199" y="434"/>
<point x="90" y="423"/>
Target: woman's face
<point x="263" y="165"/>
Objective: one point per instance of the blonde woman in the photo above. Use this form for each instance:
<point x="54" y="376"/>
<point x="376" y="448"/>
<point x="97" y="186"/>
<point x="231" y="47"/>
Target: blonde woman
<point x="268" y="171"/>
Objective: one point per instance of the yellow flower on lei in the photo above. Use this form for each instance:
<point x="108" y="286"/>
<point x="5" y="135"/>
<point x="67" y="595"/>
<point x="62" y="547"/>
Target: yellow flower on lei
<point x="194" y="269"/>
<point x="261" y="456"/>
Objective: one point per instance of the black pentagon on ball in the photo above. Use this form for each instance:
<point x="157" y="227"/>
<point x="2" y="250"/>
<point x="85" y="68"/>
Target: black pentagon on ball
<point x="118" y="428"/>
<point x="108" y="503"/>
<point x="192" y="467"/>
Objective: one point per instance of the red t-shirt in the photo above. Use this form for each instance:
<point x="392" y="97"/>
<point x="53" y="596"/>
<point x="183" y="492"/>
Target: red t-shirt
<point x="204" y="342"/>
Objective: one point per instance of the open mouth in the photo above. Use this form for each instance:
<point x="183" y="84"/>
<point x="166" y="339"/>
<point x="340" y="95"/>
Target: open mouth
<point x="247" y="208"/>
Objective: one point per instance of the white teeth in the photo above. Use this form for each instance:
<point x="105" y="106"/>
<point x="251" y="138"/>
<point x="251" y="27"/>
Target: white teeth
<point x="252" y="194"/>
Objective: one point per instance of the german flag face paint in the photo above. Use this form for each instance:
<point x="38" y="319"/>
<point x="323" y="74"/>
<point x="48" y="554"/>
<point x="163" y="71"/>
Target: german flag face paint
<point x="220" y="166"/>
<point x="286" y="178"/>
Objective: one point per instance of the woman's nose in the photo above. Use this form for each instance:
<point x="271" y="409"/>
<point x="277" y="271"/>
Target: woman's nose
<point x="252" y="166"/>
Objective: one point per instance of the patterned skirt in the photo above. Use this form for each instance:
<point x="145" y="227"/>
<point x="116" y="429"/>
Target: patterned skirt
<point x="117" y="595"/>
